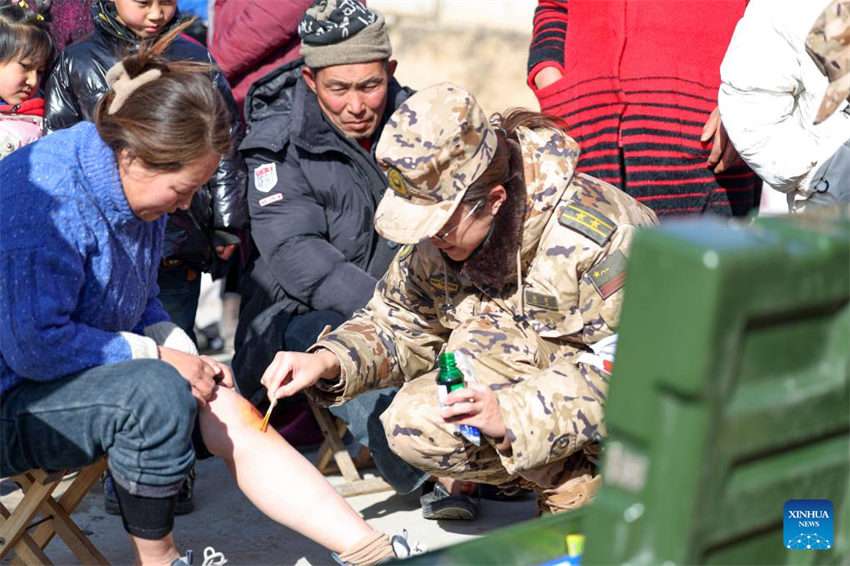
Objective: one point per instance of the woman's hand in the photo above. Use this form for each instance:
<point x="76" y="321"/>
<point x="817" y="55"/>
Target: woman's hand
<point x="290" y="372"/>
<point x="224" y="375"/>
<point x="723" y="154"/>
<point x="547" y="76"/>
<point x="224" y="252"/>
<point x="200" y="372"/>
<point x="478" y="406"/>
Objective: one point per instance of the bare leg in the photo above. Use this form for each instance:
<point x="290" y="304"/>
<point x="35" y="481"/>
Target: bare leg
<point x="277" y="479"/>
<point x="160" y="552"/>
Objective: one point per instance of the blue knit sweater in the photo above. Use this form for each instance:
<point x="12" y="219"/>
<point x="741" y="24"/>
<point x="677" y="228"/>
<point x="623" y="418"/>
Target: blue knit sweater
<point x="76" y="265"/>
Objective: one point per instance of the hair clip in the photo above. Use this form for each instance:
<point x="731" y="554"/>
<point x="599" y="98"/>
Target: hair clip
<point x="23" y="4"/>
<point x="496" y="124"/>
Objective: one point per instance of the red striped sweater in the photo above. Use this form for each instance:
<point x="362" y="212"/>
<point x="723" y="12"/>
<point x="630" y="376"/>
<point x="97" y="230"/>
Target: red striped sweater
<point x="640" y="79"/>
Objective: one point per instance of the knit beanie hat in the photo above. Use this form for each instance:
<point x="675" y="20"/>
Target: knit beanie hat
<point x="342" y="32"/>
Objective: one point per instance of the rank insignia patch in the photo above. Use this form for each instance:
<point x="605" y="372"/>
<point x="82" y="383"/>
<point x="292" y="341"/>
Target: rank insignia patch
<point x="609" y="275"/>
<point x="540" y="300"/>
<point x="588" y="222"/>
<point x="439" y="283"/>
<point x="405" y="251"/>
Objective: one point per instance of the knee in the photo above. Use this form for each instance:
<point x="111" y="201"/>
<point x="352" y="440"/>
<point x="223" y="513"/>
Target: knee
<point x="161" y="395"/>
<point x="228" y="422"/>
<point x="416" y="432"/>
<point x="153" y="418"/>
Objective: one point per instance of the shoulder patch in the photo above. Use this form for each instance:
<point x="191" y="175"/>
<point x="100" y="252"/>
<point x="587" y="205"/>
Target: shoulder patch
<point x="540" y="300"/>
<point x="588" y="222"/>
<point x="609" y="275"/>
<point x="265" y="177"/>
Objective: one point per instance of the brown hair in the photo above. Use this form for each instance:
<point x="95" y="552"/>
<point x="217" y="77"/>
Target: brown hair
<point x="172" y="120"/>
<point x="24" y="35"/>
<point x="506" y="165"/>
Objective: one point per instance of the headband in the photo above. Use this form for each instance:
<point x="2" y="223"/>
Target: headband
<point x="120" y="82"/>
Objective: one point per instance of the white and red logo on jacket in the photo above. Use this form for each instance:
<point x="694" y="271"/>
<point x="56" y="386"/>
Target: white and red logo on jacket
<point x="265" y="177"/>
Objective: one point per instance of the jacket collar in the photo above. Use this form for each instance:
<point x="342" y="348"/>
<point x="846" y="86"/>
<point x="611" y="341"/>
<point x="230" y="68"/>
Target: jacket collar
<point x="313" y="131"/>
<point x="280" y="108"/>
<point x="31" y="107"/>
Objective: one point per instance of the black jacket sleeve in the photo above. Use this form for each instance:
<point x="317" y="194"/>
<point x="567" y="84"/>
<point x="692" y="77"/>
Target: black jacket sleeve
<point x="228" y="184"/>
<point x="62" y="110"/>
<point x="290" y="229"/>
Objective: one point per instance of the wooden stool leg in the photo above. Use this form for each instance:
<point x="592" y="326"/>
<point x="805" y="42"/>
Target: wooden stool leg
<point x="61" y="522"/>
<point x="14" y="526"/>
<point x="333" y="447"/>
<point x="38" y="487"/>
<point x="26" y="549"/>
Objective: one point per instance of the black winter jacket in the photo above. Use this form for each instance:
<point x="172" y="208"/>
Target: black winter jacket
<point x="312" y="195"/>
<point x="78" y="80"/>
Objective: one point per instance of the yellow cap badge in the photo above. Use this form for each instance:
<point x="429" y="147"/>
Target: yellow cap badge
<point x="397" y="182"/>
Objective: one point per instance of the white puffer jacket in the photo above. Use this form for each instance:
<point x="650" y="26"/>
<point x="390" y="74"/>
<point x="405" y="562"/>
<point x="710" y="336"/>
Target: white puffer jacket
<point x="770" y="93"/>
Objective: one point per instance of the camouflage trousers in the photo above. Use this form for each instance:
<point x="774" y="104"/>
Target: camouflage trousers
<point x="503" y="354"/>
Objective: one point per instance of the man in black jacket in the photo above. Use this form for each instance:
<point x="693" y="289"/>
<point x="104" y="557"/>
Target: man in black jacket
<point x="313" y="187"/>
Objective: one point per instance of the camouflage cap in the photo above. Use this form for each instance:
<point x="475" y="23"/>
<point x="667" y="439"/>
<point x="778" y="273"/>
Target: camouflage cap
<point x="828" y="43"/>
<point x="434" y="146"/>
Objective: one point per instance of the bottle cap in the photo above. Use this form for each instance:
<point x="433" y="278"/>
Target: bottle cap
<point x="575" y="545"/>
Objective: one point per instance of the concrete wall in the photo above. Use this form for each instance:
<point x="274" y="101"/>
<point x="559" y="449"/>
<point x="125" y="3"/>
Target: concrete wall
<point x="481" y="45"/>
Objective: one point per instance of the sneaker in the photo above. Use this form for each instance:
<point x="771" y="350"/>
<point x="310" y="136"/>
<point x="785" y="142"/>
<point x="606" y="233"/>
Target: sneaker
<point x="185" y="501"/>
<point x="401" y="547"/>
<point x="440" y="504"/>
<point x="211" y="558"/>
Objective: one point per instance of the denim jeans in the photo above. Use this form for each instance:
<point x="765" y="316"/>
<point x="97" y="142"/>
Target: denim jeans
<point x="140" y="413"/>
<point x="179" y="290"/>
<point x="361" y="414"/>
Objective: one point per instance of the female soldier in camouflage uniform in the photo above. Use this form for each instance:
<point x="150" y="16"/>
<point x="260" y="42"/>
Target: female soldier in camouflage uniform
<point x="515" y="262"/>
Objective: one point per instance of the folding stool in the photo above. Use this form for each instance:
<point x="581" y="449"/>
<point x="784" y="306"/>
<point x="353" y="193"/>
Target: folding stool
<point x="28" y="528"/>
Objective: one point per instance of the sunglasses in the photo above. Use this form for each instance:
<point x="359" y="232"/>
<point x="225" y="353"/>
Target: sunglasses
<point x="442" y="237"/>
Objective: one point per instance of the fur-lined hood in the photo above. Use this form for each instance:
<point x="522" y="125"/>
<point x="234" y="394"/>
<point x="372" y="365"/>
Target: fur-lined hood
<point x="532" y="197"/>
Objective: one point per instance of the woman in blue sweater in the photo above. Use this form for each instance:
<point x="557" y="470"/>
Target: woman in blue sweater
<point x="90" y="364"/>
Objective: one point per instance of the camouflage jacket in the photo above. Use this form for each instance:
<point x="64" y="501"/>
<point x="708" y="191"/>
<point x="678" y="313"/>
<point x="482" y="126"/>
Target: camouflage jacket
<point x="576" y="234"/>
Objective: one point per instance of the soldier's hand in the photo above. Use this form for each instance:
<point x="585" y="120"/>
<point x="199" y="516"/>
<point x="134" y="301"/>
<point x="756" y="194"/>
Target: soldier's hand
<point x="290" y="372"/>
<point x="478" y="406"/>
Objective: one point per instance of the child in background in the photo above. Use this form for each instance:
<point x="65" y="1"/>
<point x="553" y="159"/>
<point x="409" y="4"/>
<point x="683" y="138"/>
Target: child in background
<point x="194" y="238"/>
<point x="25" y="50"/>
